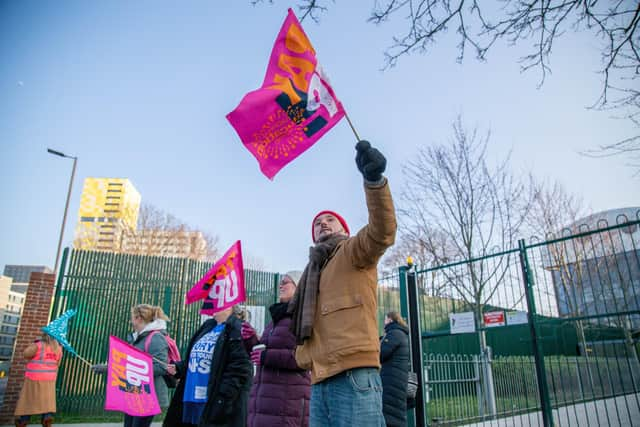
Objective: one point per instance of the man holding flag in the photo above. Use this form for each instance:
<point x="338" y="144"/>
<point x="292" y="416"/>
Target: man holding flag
<point x="335" y="306"/>
<point x="334" y="309"/>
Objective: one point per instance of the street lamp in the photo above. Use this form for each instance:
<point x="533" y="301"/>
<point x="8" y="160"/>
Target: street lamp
<point x="66" y="206"/>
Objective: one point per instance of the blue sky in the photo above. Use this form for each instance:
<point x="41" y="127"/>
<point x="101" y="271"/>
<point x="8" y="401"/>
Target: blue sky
<point x="141" y="89"/>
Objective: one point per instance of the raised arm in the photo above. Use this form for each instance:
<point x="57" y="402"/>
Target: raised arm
<point x="366" y="248"/>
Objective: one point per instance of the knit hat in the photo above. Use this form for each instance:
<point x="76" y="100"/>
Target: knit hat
<point x="337" y="216"/>
<point x="294" y="275"/>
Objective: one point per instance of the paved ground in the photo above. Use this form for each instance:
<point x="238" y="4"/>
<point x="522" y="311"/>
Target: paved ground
<point x="621" y="411"/>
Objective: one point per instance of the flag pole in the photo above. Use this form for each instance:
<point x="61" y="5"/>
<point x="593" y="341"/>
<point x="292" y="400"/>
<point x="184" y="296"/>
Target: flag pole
<point x="351" y="125"/>
<point x="84" y="360"/>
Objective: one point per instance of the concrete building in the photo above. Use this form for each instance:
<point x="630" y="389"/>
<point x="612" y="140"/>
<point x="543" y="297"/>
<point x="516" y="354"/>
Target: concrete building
<point x="597" y="276"/>
<point x="21" y="273"/>
<point x="108" y="208"/>
<point x="11" y="304"/>
<point x="168" y="243"/>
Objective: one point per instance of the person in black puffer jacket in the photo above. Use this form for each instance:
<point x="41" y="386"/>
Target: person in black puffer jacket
<point x="216" y="377"/>
<point x="394" y="357"/>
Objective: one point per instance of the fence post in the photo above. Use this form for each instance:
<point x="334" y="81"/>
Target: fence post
<point x="276" y="282"/>
<point x="543" y="387"/>
<point x="416" y="343"/>
<point x="478" y="383"/>
<point x="404" y="312"/>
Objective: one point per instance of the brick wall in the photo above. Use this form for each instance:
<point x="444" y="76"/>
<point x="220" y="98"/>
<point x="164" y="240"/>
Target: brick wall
<point x="35" y="315"/>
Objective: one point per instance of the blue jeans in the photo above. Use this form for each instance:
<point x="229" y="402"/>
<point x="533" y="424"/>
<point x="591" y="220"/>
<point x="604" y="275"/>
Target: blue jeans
<point x="350" y="399"/>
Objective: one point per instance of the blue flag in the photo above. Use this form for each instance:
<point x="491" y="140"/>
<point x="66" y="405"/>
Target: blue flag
<point x="57" y="329"/>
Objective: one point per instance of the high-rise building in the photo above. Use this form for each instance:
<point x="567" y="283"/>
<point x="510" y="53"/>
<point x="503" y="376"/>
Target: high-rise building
<point x="21" y="273"/>
<point x="11" y="303"/>
<point x="108" y="208"/>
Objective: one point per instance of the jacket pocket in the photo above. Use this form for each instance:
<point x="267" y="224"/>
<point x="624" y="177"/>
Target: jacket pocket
<point x="342" y="303"/>
<point x="343" y="324"/>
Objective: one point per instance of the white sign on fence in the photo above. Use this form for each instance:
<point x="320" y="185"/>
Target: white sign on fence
<point x="517" y="317"/>
<point x="462" y="323"/>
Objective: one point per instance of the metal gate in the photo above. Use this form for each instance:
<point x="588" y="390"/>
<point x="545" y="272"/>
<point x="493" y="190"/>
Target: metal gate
<point x="565" y="350"/>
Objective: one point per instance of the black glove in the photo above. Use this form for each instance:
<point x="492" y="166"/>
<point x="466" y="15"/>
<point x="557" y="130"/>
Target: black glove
<point x="371" y="163"/>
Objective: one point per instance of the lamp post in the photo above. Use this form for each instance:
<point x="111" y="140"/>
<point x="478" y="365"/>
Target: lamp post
<point x="66" y="206"/>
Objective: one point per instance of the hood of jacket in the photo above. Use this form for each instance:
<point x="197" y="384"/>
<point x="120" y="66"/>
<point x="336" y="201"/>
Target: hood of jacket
<point x="156" y="325"/>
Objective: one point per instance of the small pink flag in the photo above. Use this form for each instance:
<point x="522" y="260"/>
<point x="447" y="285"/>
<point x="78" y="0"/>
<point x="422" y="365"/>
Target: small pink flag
<point x="294" y="107"/>
<point x="130" y="387"/>
<point x="223" y="285"/>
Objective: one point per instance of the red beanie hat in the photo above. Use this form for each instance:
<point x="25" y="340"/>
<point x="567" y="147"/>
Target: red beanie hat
<point x="338" y="217"/>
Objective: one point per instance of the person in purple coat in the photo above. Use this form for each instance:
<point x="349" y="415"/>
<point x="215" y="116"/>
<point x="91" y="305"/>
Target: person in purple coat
<point x="281" y="390"/>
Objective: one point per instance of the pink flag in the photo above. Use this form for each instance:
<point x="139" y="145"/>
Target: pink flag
<point x="130" y="386"/>
<point x="223" y="285"/>
<point x="294" y="107"/>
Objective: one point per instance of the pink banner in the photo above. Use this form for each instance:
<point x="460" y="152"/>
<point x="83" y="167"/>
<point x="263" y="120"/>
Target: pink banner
<point x="223" y="285"/>
<point x="294" y="107"/>
<point x="130" y="386"/>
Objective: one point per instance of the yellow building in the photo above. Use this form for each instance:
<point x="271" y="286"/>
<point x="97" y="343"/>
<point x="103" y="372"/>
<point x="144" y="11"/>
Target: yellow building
<point x="108" y="207"/>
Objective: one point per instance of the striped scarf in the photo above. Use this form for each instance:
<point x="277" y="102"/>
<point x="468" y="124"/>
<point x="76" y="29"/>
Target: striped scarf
<point x="302" y="306"/>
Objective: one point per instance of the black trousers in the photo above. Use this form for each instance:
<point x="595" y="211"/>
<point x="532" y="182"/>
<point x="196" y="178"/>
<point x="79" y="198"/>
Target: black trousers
<point x="130" y="421"/>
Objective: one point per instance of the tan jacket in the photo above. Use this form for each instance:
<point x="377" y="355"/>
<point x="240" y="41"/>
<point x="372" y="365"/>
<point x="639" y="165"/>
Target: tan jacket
<point x="345" y="327"/>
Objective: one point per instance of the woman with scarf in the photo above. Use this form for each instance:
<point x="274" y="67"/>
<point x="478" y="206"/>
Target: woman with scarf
<point x="215" y="377"/>
<point x="281" y="390"/>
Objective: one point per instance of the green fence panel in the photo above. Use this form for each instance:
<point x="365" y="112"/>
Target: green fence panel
<point x="585" y="285"/>
<point x="103" y="287"/>
<point x="586" y="289"/>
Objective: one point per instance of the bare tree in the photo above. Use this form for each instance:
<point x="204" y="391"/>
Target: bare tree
<point x="538" y="24"/>
<point x="160" y="233"/>
<point x="460" y="207"/>
<point x="590" y="270"/>
<point x="552" y="211"/>
<point x="553" y="208"/>
<point x="425" y="250"/>
<point x="630" y="148"/>
<point x="310" y="8"/>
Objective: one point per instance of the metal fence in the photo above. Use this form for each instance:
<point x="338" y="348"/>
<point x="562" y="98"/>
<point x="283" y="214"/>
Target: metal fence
<point x="104" y="286"/>
<point x="564" y="350"/>
<point x="566" y="354"/>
